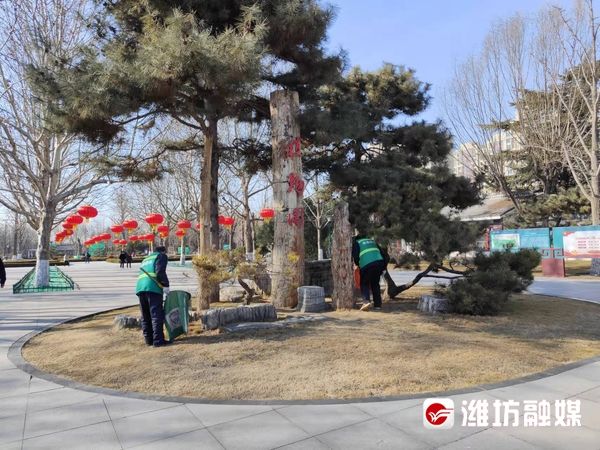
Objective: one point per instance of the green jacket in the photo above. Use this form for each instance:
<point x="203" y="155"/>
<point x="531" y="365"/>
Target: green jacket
<point x="368" y="252"/>
<point x="144" y="282"/>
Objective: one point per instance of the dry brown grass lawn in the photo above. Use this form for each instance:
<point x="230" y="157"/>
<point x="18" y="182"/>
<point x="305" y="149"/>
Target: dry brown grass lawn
<point x="353" y="354"/>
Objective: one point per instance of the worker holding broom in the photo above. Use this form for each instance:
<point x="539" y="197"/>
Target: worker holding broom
<point x="151" y="285"/>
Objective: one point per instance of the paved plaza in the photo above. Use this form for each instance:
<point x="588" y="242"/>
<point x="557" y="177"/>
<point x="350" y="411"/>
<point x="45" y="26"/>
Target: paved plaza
<point x="37" y="413"/>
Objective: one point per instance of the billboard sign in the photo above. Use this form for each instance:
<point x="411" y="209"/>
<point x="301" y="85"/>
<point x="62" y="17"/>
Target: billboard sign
<point x="581" y="244"/>
<point x="504" y="241"/>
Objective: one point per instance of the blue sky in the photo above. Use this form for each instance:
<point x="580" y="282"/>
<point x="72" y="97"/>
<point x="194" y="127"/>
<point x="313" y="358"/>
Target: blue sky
<point x="429" y="36"/>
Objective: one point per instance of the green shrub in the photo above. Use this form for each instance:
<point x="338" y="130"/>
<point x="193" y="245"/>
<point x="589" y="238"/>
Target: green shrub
<point x="486" y="289"/>
<point x="467" y="297"/>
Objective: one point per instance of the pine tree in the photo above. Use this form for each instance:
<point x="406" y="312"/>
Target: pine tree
<point x="197" y="62"/>
<point x="394" y="177"/>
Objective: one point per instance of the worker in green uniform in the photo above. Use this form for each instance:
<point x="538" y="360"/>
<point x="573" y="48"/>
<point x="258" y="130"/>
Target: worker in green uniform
<point x="152" y="284"/>
<point x="369" y="258"/>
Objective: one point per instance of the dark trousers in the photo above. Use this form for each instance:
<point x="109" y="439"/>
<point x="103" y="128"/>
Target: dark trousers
<point x="153" y="317"/>
<point x="369" y="281"/>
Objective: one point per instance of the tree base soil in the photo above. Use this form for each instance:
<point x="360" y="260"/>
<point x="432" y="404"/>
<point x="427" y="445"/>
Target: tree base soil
<point x="350" y="355"/>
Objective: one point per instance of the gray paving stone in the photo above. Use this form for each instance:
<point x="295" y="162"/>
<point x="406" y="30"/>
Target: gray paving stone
<point x="199" y="439"/>
<point x="306" y="444"/>
<point x="55" y="398"/>
<point x="377" y="409"/>
<point x="267" y="430"/>
<point x="590" y="414"/>
<point x="528" y="391"/>
<point x="13" y="406"/>
<point x="371" y="434"/>
<point x="5" y="363"/>
<point x="100" y="436"/>
<point x="11" y="429"/>
<point x="13" y="446"/>
<point x="591" y="394"/>
<point x="569" y="383"/>
<point x="490" y="439"/>
<point x="317" y="419"/>
<point x="580" y="438"/>
<point x="119" y="407"/>
<point x="39" y="385"/>
<point x="65" y="418"/>
<point x="410" y="421"/>
<point x="211" y="415"/>
<point x="588" y="371"/>
<point x="155" y="425"/>
<point x="13" y="382"/>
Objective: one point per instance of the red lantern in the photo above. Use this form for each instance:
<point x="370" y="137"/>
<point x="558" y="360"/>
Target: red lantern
<point x="198" y="226"/>
<point x="228" y="222"/>
<point x="134" y="238"/>
<point x="105" y="237"/>
<point x="87" y="211"/>
<point x="130" y="225"/>
<point x="148" y="237"/>
<point x="154" y="219"/>
<point x="163" y="229"/>
<point x="221" y="220"/>
<point x="116" y="241"/>
<point x="180" y="233"/>
<point x="267" y="214"/>
<point x="122" y="241"/>
<point x="184" y="224"/>
<point x="117" y="229"/>
<point x="75" y="219"/>
<point x="67" y="226"/>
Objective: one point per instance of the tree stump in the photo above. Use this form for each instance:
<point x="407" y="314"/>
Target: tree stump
<point x="288" y="188"/>
<point x="433" y="305"/>
<point x="341" y="259"/>
<point x="312" y="299"/>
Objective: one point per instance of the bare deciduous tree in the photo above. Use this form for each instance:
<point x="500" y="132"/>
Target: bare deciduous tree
<point x="44" y="172"/>
<point x="574" y="71"/>
<point x="240" y="180"/>
<point x="318" y="206"/>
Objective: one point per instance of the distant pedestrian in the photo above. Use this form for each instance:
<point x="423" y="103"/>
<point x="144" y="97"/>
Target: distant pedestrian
<point x="369" y="258"/>
<point x="88" y="257"/>
<point x="152" y="283"/>
<point x="122" y="259"/>
<point x="129" y="260"/>
<point x="2" y="274"/>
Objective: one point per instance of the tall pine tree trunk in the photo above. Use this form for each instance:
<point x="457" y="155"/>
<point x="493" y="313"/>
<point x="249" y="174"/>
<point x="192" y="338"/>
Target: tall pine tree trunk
<point x="209" y="208"/>
<point x="42" y="254"/>
<point x="341" y="259"/>
<point x="288" y="248"/>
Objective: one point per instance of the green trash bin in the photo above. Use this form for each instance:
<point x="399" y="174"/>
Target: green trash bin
<point x="176" y="313"/>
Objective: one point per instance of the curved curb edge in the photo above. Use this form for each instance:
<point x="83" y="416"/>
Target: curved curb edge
<point x="16" y="357"/>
